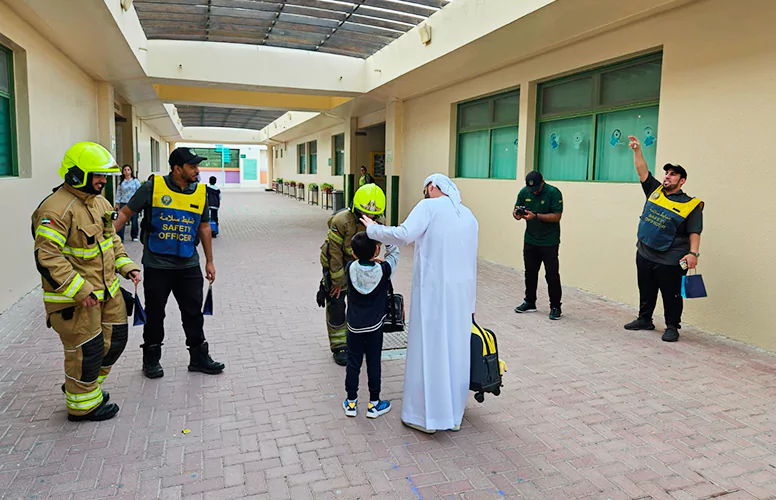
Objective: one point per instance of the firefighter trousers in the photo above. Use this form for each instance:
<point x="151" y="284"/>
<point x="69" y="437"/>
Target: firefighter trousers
<point x="93" y="339"/>
<point x="336" y="322"/>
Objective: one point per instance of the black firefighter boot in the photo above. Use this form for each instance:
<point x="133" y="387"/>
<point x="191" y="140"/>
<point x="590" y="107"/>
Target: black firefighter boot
<point x="200" y="360"/>
<point x="151" y="356"/>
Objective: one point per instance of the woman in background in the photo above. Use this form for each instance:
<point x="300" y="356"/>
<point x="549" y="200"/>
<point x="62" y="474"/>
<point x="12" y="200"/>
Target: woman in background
<point x="126" y="189"/>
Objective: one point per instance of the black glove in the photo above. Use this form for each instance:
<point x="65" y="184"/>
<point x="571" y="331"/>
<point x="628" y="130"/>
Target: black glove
<point x="322" y="295"/>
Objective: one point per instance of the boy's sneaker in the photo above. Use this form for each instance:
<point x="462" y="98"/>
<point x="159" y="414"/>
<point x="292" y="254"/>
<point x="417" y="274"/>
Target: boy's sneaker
<point x="350" y="407"/>
<point x="377" y="408"/>
<point x="525" y="307"/>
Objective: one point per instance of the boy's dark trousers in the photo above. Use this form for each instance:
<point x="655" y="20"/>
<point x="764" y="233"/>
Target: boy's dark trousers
<point x="533" y="257"/>
<point x="360" y="344"/>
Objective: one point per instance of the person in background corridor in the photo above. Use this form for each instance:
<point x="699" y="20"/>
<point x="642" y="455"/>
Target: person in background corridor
<point x="444" y="296"/>
<point x="175" y="219"/>
<point x="78" y="255"/>
<point x="128" y="186"/>
<point x="365" y="177"/>
<point x="669" y="233"/>
<point x="541" y="206"/>
<point x="213" y="198"/>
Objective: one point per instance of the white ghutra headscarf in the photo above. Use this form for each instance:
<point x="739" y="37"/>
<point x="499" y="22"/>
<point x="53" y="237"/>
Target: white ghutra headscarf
<point x="447" y="186"/>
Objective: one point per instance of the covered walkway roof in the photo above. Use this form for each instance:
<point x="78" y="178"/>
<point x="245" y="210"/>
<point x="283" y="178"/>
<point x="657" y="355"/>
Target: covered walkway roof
<point x="357" y="28"/>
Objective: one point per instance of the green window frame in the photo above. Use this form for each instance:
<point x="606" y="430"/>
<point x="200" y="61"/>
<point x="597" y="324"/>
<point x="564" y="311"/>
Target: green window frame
<point x="486" y="134"/>
<point x="301" y="159"/>
<point x="339" y="154"/>
<point x="584" y="120"/>
<point x="312" y="153"/>
<point x="9" y="166"/>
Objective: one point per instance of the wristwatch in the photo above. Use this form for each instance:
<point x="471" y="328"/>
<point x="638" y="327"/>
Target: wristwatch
<point x="696" y="254"/>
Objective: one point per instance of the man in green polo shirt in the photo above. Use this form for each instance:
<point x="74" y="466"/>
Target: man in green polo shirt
<point x="541" y="206"/>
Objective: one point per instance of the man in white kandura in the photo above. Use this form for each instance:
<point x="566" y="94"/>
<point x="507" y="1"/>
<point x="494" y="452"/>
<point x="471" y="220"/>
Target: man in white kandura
<point x="444" y="294"/>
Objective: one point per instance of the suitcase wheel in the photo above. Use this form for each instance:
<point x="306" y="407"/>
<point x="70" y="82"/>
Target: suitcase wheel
<point x="479" y="397"/>
<point x="497" y="391"/>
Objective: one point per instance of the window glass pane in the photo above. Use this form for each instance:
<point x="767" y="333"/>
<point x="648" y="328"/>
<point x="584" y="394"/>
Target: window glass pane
<point x="503" y="153"/>
<point x="313" y="146"/>
<point x="576" y="95"/>
<point x="339" y="163"/>
<point x="313" y="163"/>
<point x="5" y="59"/>
<point x="339" y="142"/>
<point x="473" y="154"/>
<point x="564" y="147"/>
<point x="302" y="158"/>
<point x="6" y="150"/>
<point x="614" y="160"/>
<point x="507" y="109"/>
<point x="475" y="115"/>
<point x="632" y="84"/>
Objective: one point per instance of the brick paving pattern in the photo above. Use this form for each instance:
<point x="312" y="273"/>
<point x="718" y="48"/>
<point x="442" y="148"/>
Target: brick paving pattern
<point x="588" y="410"/>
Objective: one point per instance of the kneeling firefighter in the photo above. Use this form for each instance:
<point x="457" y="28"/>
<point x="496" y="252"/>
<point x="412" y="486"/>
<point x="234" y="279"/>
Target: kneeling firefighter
<point x="369" y="200"/>
<point x="78" y="254"/>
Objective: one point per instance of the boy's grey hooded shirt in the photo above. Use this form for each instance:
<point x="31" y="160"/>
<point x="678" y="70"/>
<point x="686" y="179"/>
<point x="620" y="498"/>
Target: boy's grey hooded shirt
<point x="366" y="278"/>
<point x="364" y="315"/>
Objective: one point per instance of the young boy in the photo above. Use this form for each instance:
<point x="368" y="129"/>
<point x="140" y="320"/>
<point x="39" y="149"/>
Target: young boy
<point x="214" y="202"/>
<point x="368" y="279"/>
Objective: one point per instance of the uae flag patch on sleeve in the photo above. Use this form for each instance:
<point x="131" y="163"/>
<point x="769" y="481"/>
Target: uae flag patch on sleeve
<point x="45" y="220"/>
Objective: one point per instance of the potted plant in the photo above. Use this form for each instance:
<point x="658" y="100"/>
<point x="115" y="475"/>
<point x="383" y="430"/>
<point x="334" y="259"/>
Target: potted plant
<point x="312" y="187"/>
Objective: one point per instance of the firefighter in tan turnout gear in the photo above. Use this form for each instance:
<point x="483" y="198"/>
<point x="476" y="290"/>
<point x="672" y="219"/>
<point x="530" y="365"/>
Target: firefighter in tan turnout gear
<point x="369" y="200"/>
<point x="78" y="256"/>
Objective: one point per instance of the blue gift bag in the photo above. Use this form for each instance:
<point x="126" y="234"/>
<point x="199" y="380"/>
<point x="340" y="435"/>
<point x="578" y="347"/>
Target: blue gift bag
<point x="140" y="315"/>
<point x="693" y="287"/>
<point x="207" y="310"/>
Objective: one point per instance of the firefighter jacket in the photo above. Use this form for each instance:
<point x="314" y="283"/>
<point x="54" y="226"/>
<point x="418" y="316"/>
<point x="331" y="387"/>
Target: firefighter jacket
<point x="336" y="251"/>
<point x="77" y="252"/>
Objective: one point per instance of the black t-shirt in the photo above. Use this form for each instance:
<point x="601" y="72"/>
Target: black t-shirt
<point x="142" y="201"/>
<point x="681" y="244"/>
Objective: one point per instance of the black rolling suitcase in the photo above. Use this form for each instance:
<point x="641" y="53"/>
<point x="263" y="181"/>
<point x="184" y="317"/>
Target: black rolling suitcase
<point x="486" y="368"/>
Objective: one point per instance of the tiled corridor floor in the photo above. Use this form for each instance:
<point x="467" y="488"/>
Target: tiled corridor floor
<point x="588" y="409"/>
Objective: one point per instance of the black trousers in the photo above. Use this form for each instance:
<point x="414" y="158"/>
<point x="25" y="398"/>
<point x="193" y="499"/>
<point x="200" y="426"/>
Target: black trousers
<point x="533" y="257"/>
<point x="186" y="285"/>
<point x="668" y="280"/>
<point x="214" y="215"/>
<point x="360" y="344"/>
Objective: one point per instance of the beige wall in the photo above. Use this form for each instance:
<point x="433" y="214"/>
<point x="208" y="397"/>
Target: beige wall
<point x="144" y="134"/>
<point x="62" y="111"/>
<point x="716" y="112"/>
<point x="286" y="167"/>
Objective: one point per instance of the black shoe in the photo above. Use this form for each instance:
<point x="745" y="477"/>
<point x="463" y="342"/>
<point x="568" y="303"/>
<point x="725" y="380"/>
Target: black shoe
<point x="200" y="360"/>
<point x="555" y="313"/>
<point x="151" y="356"/>
<point x="525" y="307"/>
<point x="671" y="334"/>
<point x="640" y="324"/>
<point x="105" y="394"/>
<point x="103" y="412"/>
<point x="341" y="358"/>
